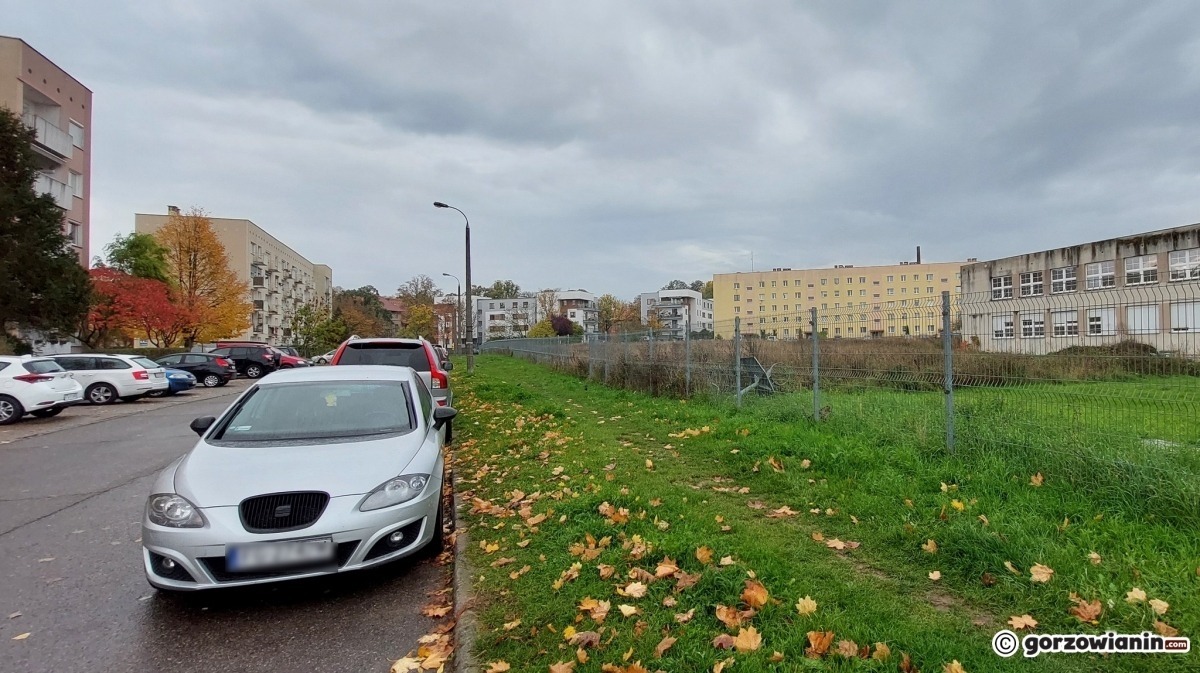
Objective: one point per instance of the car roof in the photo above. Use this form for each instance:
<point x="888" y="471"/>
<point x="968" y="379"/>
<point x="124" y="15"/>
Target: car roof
<point x="384" y="340"/>
<point x="356" y="373"/>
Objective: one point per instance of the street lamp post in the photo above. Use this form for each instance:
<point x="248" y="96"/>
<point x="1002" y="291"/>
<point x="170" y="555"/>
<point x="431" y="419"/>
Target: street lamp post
<point x="470" y="317"/>
<point x="457" y="309"/>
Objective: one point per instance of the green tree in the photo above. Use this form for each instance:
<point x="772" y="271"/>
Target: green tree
<point x="139" y="255"/>
<point x="418" y="290"/>
<point x="708" y="290"/>
<point x="42" y="284"/>
<point x="315" y="330"/>
<point x="363" y="312"/>
<point x="541" y="330"/>
<point x="675" y="285"/>
<point x="501" y="289"/>
<point x="420" y="322"/>
<point x="697" y="286"/>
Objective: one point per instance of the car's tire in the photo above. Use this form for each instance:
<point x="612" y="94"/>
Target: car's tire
<point x="224" y="382"/>
<point x="438" y="544"/>
<point x="47" y="413"/>
<point x="285" y="366"/>
<point x="153" y="393"/>
<point x="254" y="371"/>
<point x="211" y="381"/>
<point x="11" y="410"/>
<point x="101" y="393"/>
<point x="135" y="398"/>
<point x="449" y="432"/>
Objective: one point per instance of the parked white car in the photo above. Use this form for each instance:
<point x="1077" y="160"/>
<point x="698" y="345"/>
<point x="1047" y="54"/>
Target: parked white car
<point x="323" y="359"/>
<point x="36" y="386"/>
<point x="108" y="378"/>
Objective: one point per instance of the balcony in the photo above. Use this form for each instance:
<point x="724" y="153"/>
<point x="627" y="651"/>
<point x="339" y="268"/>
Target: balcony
<point x="49" y="137"/>
<point x="257" y="261"/>
<point x="44" y="184"/>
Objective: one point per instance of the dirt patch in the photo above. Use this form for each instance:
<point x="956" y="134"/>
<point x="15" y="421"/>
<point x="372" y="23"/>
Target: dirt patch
<point x="944" y="602"/>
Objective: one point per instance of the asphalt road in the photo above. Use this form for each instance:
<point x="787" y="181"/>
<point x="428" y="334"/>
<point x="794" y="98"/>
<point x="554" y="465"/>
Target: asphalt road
<point x="71" y="502"/>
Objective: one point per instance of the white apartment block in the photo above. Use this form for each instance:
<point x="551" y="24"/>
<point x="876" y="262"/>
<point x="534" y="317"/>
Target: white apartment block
<point x="1143" y="287"/>
<point x="677" y="312"/>
<point x="512" y="317"/>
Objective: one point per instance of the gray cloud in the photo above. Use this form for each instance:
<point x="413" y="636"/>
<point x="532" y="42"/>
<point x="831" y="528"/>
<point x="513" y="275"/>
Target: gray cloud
<point x="615" y="146"/>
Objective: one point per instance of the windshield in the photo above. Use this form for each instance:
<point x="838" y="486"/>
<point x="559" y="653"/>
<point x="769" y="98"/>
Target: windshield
<point x="146" y="362"/>
<point x="402" y="355"/>
<point x="319" y="410"/>
<point x="41" y="366"/>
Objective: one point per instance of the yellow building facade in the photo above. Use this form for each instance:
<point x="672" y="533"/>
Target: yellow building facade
<point x="851" y="301"/>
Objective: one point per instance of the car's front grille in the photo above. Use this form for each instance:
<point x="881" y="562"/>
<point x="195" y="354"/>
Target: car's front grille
<point x="282" y="511"/>
<point x="215" y="565"/>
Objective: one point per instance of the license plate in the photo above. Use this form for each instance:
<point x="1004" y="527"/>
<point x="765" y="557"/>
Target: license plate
<point x="158" y="375"/>
<point x="277" y="555"/>
<point x="72" y="396"/>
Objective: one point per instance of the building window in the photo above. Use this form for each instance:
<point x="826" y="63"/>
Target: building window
<point x="1185" y="264"/>
<point x="762" y="320"/>
<point x="1062" y="280"/>
<point x="761" y="297"/>
<point x="1099" y="275"/>
<point x="77" y="134"/>
<point x="891" y="329"/>
<point x="737" y="297"/>
<point x="75" y="182"/>
<point x="1141" y="270"/>
<point x="837" y="281"/>
<point x="737" y="309"/>
<point x="1142" y="319"/>
<point x="491" y="304"/>
<point x="1033" y="325"/>
<point x="785" y="283"/>
<point x="737" y="286"/>
<point x="1031" y="284"/>
<point x="1066" y="323"/>
<point x="891" y="291"/>
<point x="1185" y="316"/>
<point x="1002" y="287"/>
<point x="786" y="331"/>
<point x="1002" y="326"/>
<point x="773" y="295"/>
<point x="929" y="290"/>
<point x="929" y="276"/>
<point x="862" y="293"/>
<point x="1100" y="321"/>
<point x="75" y="233"/>
<point x="761" y="284"/>
<point x="891" y="279"/>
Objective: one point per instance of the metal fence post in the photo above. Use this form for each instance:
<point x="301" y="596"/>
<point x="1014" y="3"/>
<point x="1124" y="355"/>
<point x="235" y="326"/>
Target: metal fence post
<point x="948" y="365"/>
<point x="607" y="355"/>
<point x="687" y="362"/>
<point x="737" y="359"/>
<point x="816" y="366"/>
<point x="591" y="353"/>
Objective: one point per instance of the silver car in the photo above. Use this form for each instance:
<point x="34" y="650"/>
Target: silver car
<point x="309" y="472"/>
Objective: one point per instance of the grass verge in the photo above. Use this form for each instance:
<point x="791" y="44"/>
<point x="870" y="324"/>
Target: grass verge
<point x="541" y="453"/>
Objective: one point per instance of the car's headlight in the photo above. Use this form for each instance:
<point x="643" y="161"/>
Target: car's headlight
<point x="395" y="491"/>
<point x="169" y="509"/>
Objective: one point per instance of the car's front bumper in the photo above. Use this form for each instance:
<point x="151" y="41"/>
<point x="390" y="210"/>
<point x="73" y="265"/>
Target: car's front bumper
<point x="180" y="385"/>
<point x="360" y="540"/>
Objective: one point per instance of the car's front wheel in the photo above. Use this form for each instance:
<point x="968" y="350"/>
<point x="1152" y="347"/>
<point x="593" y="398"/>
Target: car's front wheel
<point x="254" y="371"/>
<point x="101" y="393"/>
<point x="438" y="544"/>
<point x="211" y="381"/>
<point x="10" y="410"/>
<point x="47" y="413"/>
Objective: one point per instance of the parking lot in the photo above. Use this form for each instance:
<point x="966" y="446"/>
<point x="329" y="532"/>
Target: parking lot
<point x="72" y="493"/>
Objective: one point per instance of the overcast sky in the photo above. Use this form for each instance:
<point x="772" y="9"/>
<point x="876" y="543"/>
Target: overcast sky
<point x="613" y="146"/>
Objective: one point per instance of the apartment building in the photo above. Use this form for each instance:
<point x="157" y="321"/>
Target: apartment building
<point x="852" y="301"/>
<point x="676" y="312"/>
<point x="281" y="280"/>
<point x="512" y="317"/>
<point x="59" y="110"/>
<point x="1142" y="287"/>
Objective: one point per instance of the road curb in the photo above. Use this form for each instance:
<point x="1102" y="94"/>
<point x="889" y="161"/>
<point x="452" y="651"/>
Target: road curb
<point x="465" y="624"/>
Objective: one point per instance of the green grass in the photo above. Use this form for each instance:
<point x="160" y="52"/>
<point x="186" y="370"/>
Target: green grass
<point x="878" y="458"/>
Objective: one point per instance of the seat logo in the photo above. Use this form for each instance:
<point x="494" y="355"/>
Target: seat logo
<point x="282" y="511"/>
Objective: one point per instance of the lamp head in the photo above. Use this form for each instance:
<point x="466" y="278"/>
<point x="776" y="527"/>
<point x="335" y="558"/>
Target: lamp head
<point x="439" y="204"/>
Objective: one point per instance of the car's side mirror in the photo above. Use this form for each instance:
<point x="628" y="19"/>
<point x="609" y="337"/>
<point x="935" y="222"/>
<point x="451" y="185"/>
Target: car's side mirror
<point x="202" y="424"/>
<point x="443" y="415"/>
<point x="447" y="365"/>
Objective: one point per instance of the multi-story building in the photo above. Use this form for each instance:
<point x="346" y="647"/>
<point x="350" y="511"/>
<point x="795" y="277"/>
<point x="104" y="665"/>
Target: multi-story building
<point x="676" y="312"/>
<point x="59" y="110"/>
<point x="281" y="280"/>
<point x="865" y="301"/>
<point x="1142" y="287"/>
<point x="511" y="317"/>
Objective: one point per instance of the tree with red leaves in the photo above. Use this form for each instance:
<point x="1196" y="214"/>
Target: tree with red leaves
<point x="126" y="307"/>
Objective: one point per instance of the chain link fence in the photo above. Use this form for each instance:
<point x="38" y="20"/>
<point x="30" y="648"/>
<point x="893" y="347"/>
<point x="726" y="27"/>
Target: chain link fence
<point x="1102" y="385"/>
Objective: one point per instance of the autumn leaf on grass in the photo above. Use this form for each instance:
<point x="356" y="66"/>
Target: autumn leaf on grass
<point x="782" y="512"/>
<point x="606" y="571"/>
<point x="818" y="644"/>
<point x="930" y="546"/>
<point x="502" y="562"/>
<point x="1011" y="568"/>
<point x="817" y="536"/>
<point x="663" y="645"/>
<point x="729" y="616"/>
<point x="723" y="642"/>
<point x="704" y="555"/>
<point x="957" y="505"/>
<point x="649" y="464"/>
<point x="747" y="640"/>
<point x="756" y="504"/>
<point x="1040" y="573"/>
<point x="775" y="464"/>
<point x="755" y="594"/>
<point x="666" y="568"/>
<point x="585" y="639"/>
<point x="1094" y="558"/>
<point x="509" y="626"/>
<point x="1036" y="480"/>
<point x="1135" y="595"/>
<point x="726" y="561"/>
<point x="633" y="590"/>
<point x="806" y="606"/>
<point x="935" y="575"/>
<point x="1166" y="630"/>
<point x="497" y="667"/>
<point x="685" y="617"/>
<point x="562" y="667"/>
<point x="1159" y="607"/>
<point x="517" y="573"/>
<point x="841" y="546"/>
<point x="627" y="610"/>
<point x="1086" y="611"/>
<point x="1022" y="622"/>
<point x="684" y="580"/>
<point x="847" y="649"/>
<point x="953" y="667"/>
<point x="882" y="652"/>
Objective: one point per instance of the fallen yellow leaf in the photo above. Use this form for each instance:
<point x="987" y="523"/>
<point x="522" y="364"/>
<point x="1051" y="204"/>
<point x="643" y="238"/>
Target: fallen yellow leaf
<point x="1135" y="595"/>
<point x="1022" y="622"/>
<point x="755" y="594"/>
<point x="1040" y="573"/>
<point x="806" y="606"/>
<point x="747" y="640"/>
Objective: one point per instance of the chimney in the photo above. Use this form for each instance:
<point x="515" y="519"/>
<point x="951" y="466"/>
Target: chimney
<point x="172" y="210"/>
<point x="918" y="254"/>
